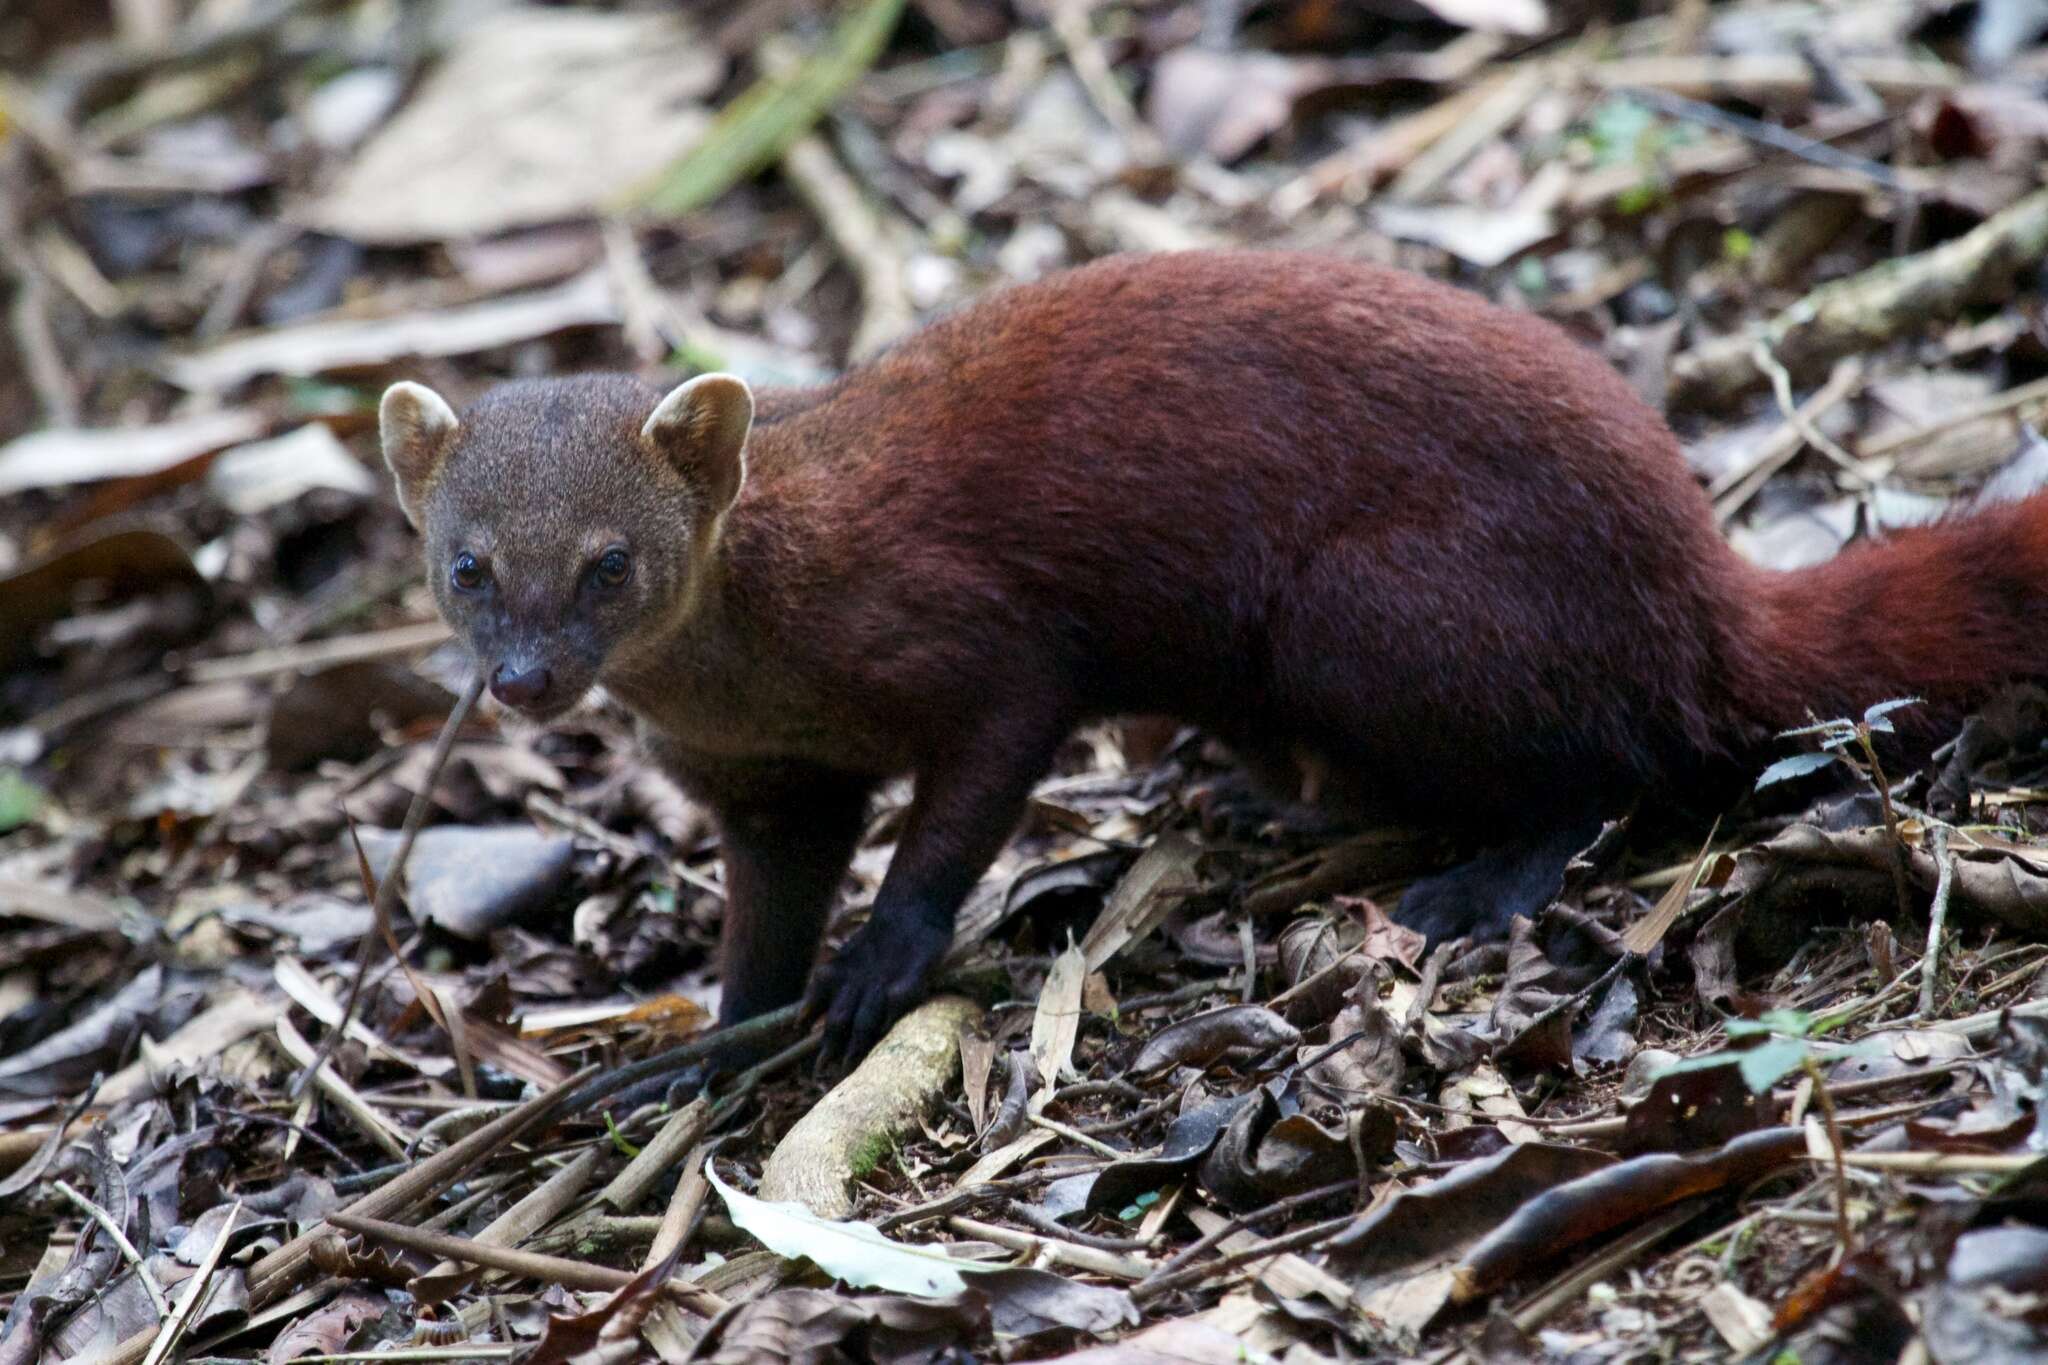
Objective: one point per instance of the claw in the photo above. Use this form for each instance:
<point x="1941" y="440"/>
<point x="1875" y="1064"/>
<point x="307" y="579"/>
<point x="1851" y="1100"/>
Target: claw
<point x="879" y="975"/>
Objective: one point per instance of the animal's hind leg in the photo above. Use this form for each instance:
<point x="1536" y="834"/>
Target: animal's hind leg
<point x="1277" y="784"/>
<point x="1481" y="898"/>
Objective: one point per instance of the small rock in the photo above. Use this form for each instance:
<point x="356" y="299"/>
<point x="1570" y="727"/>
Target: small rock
<point x="470" y="880"/>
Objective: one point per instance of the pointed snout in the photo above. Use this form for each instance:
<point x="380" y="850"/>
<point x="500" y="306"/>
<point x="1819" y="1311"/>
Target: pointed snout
<point x="524" y="689"/>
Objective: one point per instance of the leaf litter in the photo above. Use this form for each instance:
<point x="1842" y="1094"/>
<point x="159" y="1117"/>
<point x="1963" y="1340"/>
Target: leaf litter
<point x="1216" y="1106"/>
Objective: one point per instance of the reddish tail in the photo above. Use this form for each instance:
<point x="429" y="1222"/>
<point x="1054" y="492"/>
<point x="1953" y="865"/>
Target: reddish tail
<point x="1945" y="613"/>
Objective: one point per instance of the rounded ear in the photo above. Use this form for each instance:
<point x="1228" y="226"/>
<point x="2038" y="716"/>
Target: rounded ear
<point x="416" y="427"/>
<point x="701" y="429"/>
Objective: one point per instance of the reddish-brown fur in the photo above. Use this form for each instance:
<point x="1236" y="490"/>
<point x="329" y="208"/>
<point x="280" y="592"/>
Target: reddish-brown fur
<point x="1322" y="509"/>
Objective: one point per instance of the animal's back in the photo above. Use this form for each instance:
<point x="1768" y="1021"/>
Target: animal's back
<point x="1294" y="497"/>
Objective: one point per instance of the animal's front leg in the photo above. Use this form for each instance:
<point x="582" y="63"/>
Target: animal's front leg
<point x="966" y="805"/>
<point x="786" y="849"/>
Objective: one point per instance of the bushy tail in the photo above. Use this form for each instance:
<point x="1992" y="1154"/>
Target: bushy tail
<point x="1946" y="612"/>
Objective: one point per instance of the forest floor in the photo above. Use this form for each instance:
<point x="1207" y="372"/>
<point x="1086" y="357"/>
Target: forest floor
<point x="1189" y="1094"/>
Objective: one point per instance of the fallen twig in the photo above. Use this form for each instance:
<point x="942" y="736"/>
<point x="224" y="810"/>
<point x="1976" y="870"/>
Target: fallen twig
<point x="685" y="1129"/>
<point x="1038" y="1220"/>
<point x="196" y="1290"/>
<point x="1766" y="134"/>
<point x="387" y="891"/>
<point x="1154" y="1286"/>
<point x="860" y="233"/>
<point x="1866" y="310"/>
<point x="1187" y="1255"/>
<point x="548" y="1269"/>
<point x="2017" y="397"/>
<point x="314" y="654"/>
<point x="683" y="1206"/>
<point x="128" y="1251"/>
<point x="1937" y="920"/>
<point x="1115" y="1265"/>
<point x="738" y="1038"/>
<point x="1734" y="488"/>
<point x="514" y="1225"/>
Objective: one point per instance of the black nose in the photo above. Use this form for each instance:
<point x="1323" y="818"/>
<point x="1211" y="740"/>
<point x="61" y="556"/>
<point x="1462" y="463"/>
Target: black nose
<point x="519" y="687"/>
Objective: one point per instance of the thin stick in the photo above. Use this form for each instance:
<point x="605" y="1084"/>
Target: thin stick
<point x="1901" y="874"/>
<point x="1738" y="485"/>
<point x="1076" y="1135"/>
<point x="1937" y="919"/>
<point x="2037" y="391"/>
<point x="1153" y="1286"/>
<point x="1546" y="1302"/>
<point x="196" y="1289"/>
<point x="968" y="1195"/>
<point x="1767" y="134"/>
<point x="548" y="1269"/>
<point x="1845" y="1244"/>
<point x="417" y="1183"/>
<point x="475" y="1350"/>
<point x="1039" y="1221"/>
<point x="1187" y="1254"/>
<point x="373" y="1125"/>
<point x="1084" y="54"/>
<point x="1315" y="978"/>
<point x="576" y="822"/>
<point x="113" y="1230"/>
<point x="740" y="1036"/>
<point x="1781" y="389"/>
<point x="266" y="663"/>
<point x="862" y="235"/>
<point x="387" y="890"/>
<point x="524" y="1218"/>
<point x="272" y="1278"/>
<point x="683" y="1206"/>
<point x="1115" y="1265"/>
<point x="559" y="1270"/>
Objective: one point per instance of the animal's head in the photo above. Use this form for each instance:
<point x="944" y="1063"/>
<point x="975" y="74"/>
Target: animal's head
<point x="565" y="518"/>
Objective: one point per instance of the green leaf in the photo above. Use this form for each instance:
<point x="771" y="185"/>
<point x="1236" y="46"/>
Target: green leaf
<point x="1875" y="716"/>
<point x="1798" y="765"/>
<point x="1820" y="727"/>
<point x="1790" y="1023"/>
<point x="1737" y="245"/>
<point x="1617" y="129"/>
<point x="619" y="1140"/>
<point x="321" y="398"/>
<point x="1638" y="198"/>
<point x="1764" y="1066"/>
<point x="752" y="132"/>
<point x="20" y="800"/>
<point x="1136" y="1208"/>
<point x="1704" y="1062"/>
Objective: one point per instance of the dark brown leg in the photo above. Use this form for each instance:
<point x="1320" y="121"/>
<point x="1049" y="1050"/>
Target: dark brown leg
<point x="966" y="807"/>
<point x="787" y="832"/>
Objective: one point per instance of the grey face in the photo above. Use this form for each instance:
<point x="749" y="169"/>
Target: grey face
<point x="558" y="525"/>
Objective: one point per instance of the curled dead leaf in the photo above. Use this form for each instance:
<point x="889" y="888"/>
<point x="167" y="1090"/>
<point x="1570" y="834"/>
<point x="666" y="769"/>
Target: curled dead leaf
<point x="1208" y="1036"/>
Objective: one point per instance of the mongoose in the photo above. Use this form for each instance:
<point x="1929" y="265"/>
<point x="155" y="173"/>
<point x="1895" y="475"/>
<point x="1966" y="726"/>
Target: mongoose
<point x="1326" y="511"/>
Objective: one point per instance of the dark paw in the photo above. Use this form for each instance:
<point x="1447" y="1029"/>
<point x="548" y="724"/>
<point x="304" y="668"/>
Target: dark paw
<point x="1239" y="807"/>
<point x="1480" y="899"/>
<point x="1449" y="906"/>
<point x="873" y="981"/>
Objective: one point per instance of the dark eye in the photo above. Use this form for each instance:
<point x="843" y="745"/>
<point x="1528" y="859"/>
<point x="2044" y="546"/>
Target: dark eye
<point x="614" y="566"/>
<point x="465" y="573"/>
